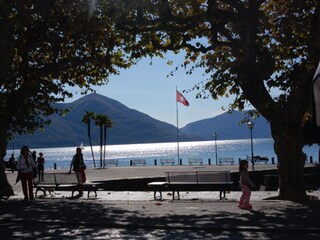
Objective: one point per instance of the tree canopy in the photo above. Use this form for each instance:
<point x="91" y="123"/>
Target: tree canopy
<point x="47" y="47"/>
<point x="264" y="52"/>
<point x="271" y="42"/>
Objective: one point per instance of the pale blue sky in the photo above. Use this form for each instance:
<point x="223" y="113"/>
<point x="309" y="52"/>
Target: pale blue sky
<point x="147" y="88"/>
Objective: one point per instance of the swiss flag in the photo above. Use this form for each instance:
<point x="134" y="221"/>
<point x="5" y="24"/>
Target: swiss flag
<point x="182" y="99"/>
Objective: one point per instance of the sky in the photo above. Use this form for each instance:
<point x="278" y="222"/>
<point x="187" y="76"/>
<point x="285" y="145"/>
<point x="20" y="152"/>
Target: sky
<point x="148" y="89"/>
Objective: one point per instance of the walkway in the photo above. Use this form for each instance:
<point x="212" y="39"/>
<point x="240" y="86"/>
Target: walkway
<point x="135" y="215"/>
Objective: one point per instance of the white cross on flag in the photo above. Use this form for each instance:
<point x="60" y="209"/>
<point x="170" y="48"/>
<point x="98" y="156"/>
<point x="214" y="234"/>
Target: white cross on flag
<point x="182" y="99"/>
<point x="316" y="93"/>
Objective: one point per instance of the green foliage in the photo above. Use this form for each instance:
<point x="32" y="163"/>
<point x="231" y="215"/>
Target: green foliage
<point x="48" y="46"/>
<point x="262" y="52"/>
<point x="86" y="118"/>
<point x="103" y="120"/>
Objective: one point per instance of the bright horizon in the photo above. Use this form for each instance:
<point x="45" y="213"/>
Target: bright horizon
<point x="147" y="89"/>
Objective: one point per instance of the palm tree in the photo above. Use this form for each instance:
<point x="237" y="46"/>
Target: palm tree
<point x="86" y="118"/>
<point x="107" y="124"/>
<point x="103" y="122"/>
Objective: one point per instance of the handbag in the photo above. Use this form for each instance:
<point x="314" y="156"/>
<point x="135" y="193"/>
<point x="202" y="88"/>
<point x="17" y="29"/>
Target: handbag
<point x="84" y="166"/>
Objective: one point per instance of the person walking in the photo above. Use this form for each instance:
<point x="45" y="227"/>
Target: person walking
<point x="25" y="167"/>
<point x="40" y="162"/>
<point x="245" y="184"/>
<point x="78" y="166"/>
<point x="34" y="155"/>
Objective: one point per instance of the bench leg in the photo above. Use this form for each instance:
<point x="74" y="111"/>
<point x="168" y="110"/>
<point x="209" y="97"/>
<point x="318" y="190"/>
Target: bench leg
<point x="155" y="195"/>
<point x="42" y="190"/>
<point x="224" y="195"/>
<point x="76" y="190"/>
<point x="178" y="195"/>
<point x="94" y="191"/>
<point x="73" y="193"/>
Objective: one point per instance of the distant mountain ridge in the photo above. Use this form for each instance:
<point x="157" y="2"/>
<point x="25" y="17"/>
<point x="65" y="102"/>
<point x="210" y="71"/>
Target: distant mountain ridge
<point x="131" y="126"/>
<point x="227" y="126"/>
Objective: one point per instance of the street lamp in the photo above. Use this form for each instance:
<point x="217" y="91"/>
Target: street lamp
<point x="215" y="136"/>
<point x="13" y="147"/>
<point x="251" y="126"/>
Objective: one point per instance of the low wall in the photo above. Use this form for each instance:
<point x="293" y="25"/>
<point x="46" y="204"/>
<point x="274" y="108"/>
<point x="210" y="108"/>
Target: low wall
<point x="267" y="179"/>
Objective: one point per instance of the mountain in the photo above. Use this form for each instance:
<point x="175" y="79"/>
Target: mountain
<point x="227" y="126"/>
<point x="129" y="126"/>
<point x="132" y="126"/>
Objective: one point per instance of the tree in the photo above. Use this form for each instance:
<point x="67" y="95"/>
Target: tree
<point x="107" y="124"/>
<point x="263" y="52"/>
<point x="103" y="122"/>
<point x="46" y="47"/>
<point x="86" y="118"/>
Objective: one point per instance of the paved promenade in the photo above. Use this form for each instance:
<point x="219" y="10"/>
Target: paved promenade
<point x="135" y="215"/>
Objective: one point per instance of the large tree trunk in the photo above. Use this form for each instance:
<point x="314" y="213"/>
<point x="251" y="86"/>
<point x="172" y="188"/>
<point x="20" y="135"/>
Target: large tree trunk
<point x="291" y="159"/>
<point x="5" y="187"/>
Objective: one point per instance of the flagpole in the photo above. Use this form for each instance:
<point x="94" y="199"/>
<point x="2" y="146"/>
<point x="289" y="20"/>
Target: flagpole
<point x="177" y="127"/>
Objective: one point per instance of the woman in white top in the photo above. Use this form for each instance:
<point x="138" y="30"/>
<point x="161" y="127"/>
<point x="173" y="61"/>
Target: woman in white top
<point x="25" y="167"/>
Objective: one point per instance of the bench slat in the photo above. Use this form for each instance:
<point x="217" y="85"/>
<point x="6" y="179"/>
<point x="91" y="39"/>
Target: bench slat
<point x="112" y="162"/>
<point x="228" y="160"/>
<point x="138" y="161"/>
<point x="195" y="161"/>
<point x="167" y="161"/>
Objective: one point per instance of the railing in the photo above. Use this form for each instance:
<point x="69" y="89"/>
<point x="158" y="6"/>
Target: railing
<point x="182" y="162"/>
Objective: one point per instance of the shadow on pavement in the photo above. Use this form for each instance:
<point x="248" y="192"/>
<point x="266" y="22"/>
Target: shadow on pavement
<point x="87" y="219"/>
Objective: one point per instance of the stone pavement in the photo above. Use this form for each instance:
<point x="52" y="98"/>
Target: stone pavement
<point x="135" y="215"/>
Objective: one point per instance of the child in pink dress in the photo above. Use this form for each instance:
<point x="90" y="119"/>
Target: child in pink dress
<point x="245" y="184"/>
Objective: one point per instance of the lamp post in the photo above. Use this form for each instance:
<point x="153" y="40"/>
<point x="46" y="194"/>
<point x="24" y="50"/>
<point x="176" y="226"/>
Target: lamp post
<point x="13" y="146"/>
<point x="251" y="126"/>
<point x="215" y="136"/>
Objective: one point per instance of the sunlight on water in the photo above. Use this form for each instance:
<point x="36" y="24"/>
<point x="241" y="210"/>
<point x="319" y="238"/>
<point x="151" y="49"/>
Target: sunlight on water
<point x="151" y="151"/>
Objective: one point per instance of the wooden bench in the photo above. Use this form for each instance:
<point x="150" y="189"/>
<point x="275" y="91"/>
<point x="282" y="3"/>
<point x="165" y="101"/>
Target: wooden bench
<point x="112" y="162"/>
<point x="193" y="161"/>
<point x="136" y="162"/>
<point x="64" y="182"/>
<point x="10" y="165"/>
<point x="226" y="160"/>
<point x="192" y="181"/>
<point x="167" y="161"/>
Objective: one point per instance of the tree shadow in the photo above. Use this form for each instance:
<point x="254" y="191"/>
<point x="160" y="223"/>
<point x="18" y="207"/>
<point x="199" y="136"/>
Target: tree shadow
<point x="187" y="219"/>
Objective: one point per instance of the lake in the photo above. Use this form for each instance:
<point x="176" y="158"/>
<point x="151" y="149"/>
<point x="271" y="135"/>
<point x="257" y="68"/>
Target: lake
<point x="151" y="151"/>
